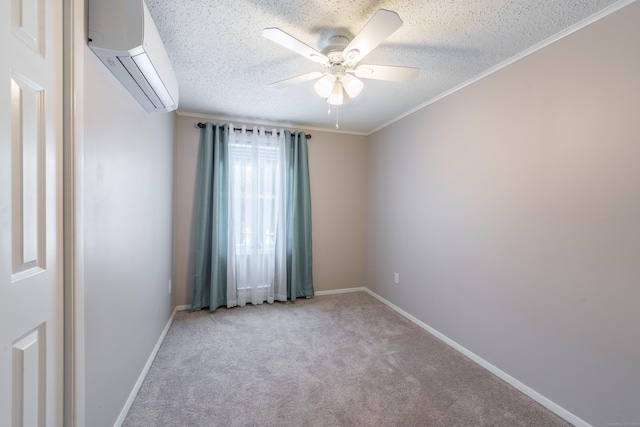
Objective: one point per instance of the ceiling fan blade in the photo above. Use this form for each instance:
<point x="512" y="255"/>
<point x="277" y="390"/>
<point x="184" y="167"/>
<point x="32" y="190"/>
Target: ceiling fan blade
<point x="387" y="72"/>
<point x="283" y="39"/>
<point x="382" y="25"/>
<point x="295" y="80"/>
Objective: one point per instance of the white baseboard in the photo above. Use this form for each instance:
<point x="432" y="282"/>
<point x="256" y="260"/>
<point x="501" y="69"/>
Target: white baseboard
<point x="547" y="403"/>
<point x="183" y="307"/>
<point x="340" y="291"/>
<point x="143" y="374"/>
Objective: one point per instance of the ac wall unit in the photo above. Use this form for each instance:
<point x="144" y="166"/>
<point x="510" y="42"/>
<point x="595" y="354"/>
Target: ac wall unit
<point x="124" y="37"/>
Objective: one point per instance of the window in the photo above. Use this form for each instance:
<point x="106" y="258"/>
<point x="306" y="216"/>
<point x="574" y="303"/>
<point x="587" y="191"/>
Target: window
<point x="253" y="218"/>
<point x="256" y="171"/>
<point x="257" y="206"/>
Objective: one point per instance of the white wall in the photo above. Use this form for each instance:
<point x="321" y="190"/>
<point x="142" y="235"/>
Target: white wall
<point x="511" y="210"/>
<point x="337" y="167"/>
<point x="127" y="194"/>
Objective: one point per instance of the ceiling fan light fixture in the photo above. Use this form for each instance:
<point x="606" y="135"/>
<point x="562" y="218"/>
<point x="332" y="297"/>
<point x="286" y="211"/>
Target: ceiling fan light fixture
<point x="336" y="97"/>
<point x="324" y="86"/>
<point x="352" y="85"/>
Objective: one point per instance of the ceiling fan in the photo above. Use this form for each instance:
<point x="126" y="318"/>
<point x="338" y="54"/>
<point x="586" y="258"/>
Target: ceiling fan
<point x="338" y="81"/>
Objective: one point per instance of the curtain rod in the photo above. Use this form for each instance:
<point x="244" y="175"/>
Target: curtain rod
<point x="268" y="132"/>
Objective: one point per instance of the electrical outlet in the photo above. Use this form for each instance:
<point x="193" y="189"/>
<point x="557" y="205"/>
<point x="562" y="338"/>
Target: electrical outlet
<point x="396" y="279"/>
<point x="169" y="285"/>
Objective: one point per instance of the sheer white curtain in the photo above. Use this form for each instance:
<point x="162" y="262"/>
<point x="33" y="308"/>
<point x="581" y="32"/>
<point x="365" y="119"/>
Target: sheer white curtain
<point x="257" y="199"/>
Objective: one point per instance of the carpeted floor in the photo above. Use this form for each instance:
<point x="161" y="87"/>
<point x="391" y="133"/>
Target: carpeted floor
<point x="336" y="360"/>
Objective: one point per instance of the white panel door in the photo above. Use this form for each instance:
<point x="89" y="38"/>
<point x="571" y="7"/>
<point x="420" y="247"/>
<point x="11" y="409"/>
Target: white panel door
<point x="31" y="323"/>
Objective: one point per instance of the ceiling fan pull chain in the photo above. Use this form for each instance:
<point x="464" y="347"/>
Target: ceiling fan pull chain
<point x="337" y="116"/>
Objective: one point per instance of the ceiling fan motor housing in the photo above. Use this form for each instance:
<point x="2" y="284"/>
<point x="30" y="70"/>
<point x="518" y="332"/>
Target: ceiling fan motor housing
<point x="334" y="49"/>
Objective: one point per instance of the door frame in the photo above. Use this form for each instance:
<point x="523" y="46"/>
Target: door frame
<point x="74" y="37"/>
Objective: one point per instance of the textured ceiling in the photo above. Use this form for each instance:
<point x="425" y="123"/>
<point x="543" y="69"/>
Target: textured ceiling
<point x="224" y="65"/>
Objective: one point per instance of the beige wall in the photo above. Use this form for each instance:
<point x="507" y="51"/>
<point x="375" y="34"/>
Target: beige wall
<point x="511" y="210"/>
<point x="337" y="164"/>
<point x="126" y="222"/>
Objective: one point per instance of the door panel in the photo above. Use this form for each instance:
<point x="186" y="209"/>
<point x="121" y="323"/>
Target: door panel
<point x="31" y="320"/>
<point x="28" y="178"/>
